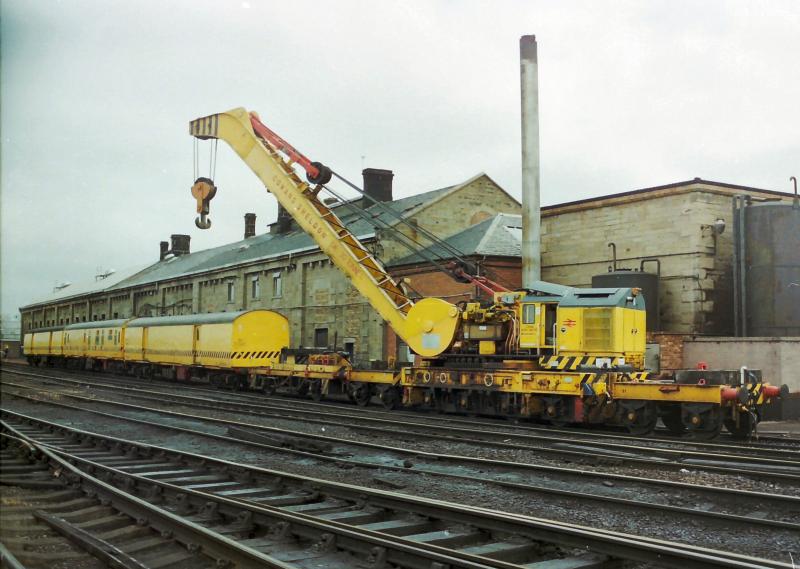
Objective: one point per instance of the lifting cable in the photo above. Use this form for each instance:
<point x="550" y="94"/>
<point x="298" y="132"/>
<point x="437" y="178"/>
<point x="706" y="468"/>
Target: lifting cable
<point x="408" y="242"/>
<point x="212" y="159"/>
<point x="417" y="247"/>
<point x="430" y="235"/>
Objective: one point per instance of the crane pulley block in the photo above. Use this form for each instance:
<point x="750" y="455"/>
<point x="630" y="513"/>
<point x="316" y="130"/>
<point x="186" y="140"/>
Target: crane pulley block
<point x="203" y="190"/>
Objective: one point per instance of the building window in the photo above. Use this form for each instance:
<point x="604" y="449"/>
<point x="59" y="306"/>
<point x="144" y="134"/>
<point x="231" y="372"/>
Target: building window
<point x="231" y="291"/>
<point x="255" y="288"/>
<point x="321" y="337"/>
<point x="277" y="285"/>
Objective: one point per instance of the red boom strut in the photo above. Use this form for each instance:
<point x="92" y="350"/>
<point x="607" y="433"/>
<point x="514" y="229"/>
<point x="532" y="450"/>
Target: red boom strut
<point x="316" y="172"/>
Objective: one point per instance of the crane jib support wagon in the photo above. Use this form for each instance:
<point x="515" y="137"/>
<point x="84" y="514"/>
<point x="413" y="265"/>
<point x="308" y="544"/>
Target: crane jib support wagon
<point x="550" y="352"/>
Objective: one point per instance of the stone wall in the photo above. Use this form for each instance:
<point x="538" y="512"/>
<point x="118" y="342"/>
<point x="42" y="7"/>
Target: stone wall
<point x="777" y="358"/>
<point x="671" y="351"/>
<point x="673" y="225"/>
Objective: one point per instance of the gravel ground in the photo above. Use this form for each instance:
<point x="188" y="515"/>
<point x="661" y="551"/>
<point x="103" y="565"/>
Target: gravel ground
<point x="772" y="543"/>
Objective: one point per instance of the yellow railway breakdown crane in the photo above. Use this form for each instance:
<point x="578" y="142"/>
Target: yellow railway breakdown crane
<point x="427" y="327"/>
<point x="557" y="353"/>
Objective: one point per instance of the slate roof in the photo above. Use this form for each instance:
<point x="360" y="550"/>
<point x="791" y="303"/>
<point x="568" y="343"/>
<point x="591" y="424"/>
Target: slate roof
<point x="268" y="245"/>
<point x="498" y="236"/>
<point x="259" y="248"/>
<point x="254" y="249"/>
<point x="89" y="287"/>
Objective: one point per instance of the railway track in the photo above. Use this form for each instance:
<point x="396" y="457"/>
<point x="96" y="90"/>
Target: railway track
<point x="294" y="403"/>
<point x="758" y="462"/>
<point x="730" y="509"/>
<point x="262" y="508"/>
<point x="55" y="515"/>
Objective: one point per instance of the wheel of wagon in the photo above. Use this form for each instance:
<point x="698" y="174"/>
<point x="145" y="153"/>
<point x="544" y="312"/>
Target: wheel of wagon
<point x="741" y="427"/>
<point x="390" y="397"/>
<point x="557" y="411"/>
<point x="270" y="386"/>
<point x="671" y="417"/>
<point x="639" y="417"/>
<point x="362" y="394"/>
<point x="704" y="423"/>
<point x="315" y="390"/>
<point x="301" y="387"/>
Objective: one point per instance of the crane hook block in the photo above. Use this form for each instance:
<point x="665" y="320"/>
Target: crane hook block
<point x="203" y="190"/>
<point x="323" y="176"/>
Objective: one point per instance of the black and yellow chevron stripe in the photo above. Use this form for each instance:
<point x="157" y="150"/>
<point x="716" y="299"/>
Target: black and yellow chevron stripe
<point x="569" y="363"/>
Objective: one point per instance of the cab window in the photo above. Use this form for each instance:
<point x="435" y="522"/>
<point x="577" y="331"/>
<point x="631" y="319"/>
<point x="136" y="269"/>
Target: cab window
<point x="528" y="313"/>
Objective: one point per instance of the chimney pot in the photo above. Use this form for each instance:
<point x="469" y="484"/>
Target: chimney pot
<point x="163" y="250"/>
<point x="377" y="185"/>
<point x="249" y="225"/>
<point x="284" y="222"/>
<point x="180" y="244"/>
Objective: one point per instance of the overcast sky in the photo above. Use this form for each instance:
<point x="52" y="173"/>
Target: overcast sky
<point x="97" y="97"/>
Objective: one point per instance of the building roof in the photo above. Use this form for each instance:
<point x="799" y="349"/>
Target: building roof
<point x="497" y="236"/>
<point x="659" y="191"/>
<point x="273" y="245"/>
<point x="89" y="287"/>
<point x="255" y="249"/>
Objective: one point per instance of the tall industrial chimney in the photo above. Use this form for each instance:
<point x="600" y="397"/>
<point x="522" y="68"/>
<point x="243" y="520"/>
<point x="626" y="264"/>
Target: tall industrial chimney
<point x="531" y="221"/>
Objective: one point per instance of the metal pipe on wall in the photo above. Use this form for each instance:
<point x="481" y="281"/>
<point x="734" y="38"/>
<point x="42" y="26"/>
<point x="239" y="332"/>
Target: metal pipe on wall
<point x="735" y="276"/>
<point x="531" y="220"/>
<point x="743" y="264"/>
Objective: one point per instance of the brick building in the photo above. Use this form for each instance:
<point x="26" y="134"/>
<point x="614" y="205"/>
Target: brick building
<point x="284" y="270"/>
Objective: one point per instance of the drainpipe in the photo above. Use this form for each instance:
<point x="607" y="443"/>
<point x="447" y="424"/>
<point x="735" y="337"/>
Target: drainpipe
<point x="531" y="220"/>
<point x="745" y="200"/>
<point x="736" y="292"/>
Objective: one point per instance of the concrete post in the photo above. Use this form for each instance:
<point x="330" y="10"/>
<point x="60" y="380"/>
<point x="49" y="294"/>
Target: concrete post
<point x="531" y="220"/>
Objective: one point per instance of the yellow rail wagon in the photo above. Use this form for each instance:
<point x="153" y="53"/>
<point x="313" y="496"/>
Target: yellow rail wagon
<point x="219" y="347"/>
<point x="43" y="345"/>
<point x="95" y="344"/>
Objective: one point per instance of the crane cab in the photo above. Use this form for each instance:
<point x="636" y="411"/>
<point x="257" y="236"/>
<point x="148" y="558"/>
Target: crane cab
<point x="537" y="329"/>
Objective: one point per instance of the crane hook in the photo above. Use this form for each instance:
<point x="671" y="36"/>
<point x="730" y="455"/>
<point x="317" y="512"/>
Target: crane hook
<point x="203" y="191"/>
<point x="202" y="222"/>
